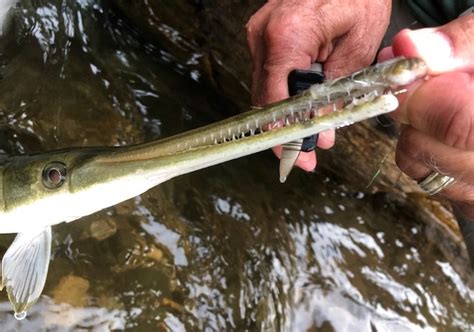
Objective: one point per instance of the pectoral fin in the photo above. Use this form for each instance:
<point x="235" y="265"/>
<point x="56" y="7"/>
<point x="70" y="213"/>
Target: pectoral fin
<point x="25" y="267"/>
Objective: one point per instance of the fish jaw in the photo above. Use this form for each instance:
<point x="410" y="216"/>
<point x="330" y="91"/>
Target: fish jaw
<point x="98" y="178"/>
<point x="90" y="179"/>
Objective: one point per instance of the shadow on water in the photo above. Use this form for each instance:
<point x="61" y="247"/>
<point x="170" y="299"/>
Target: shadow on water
<point x="226" y="248"/>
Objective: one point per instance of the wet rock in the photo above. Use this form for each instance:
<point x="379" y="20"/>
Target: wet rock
<point x="103" y="229"/>
<point x="172" y="304"/>
<point x="155" y="254"/>
<point x="72" y="290"/>
<point x="134" y="251"/>
<point x="109" y="302"/>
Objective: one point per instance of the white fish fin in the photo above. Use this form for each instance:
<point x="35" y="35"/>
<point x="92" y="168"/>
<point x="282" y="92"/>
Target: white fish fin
<point x="25" y="267"/>
<point x="5" y="6"/>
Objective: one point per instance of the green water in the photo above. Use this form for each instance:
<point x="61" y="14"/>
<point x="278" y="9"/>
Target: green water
<point x="226" y="248"/>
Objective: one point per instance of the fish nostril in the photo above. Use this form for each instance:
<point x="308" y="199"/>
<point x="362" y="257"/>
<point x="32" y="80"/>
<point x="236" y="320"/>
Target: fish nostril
<point x="54" y="175"/>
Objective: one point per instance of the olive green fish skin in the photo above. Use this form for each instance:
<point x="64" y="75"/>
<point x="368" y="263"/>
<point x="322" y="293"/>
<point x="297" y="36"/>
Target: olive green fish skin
<point x="21" y="176"/>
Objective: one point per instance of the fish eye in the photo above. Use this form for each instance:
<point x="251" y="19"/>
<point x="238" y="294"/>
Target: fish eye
<point x="54" y="175"/>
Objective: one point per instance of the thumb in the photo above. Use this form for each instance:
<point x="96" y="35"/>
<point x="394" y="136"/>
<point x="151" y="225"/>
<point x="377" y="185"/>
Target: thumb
<point x="444" y="49"/>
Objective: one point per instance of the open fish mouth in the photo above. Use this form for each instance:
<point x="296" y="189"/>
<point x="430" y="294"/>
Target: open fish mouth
<point x="42" y="190"/>
<point x="358" y="89"/>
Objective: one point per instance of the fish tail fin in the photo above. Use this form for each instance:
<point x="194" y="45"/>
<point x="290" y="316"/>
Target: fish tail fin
<point x="25" y="267"/>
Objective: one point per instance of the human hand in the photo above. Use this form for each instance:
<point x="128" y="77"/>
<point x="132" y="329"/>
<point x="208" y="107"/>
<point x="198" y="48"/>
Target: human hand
<point x="292" y="34"/>
<point x="439" y="113"/>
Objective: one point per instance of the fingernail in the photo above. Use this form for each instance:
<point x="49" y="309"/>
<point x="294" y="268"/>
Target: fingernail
<point x="434" y="48"/>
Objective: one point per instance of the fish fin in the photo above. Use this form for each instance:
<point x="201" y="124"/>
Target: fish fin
<point x="5" y="11"/>
<point x="25" y="267"/>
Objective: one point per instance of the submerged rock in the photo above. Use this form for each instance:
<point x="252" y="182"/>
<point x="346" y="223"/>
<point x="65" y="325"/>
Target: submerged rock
<point x="72" y="290"/>
<point x="103" y="229"/>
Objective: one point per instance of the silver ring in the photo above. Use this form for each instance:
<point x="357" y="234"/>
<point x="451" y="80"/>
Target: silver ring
<point x="435" y="182"/>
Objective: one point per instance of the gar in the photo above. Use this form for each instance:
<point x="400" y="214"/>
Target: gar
<point x="42" y="190"/>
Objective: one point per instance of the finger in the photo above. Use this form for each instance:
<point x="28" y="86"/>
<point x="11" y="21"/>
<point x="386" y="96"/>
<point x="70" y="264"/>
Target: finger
<point x="272" y="83"/>
<point x="385" y="54"/>
<point x="449" y="119"/>
<point x="254" y="40"/>
<point x="400" y="113"/>
<point x="358" y="47"/>
<point x="307" y="161"/>
<point x="418" y="155"/>
<point x="255" y="24"/>
<point x="444" y="49"/>
<point x="290" y="45"/>
<point x="349" y="56"/>
<point x="459" y="191"/>
<point x="327" y="139"/>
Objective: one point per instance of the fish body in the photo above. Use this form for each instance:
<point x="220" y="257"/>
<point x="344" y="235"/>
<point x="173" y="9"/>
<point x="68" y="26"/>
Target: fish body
<point x="40" y="191"/>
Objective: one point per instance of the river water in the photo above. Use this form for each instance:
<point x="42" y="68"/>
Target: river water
<point x="226" y="248"/>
